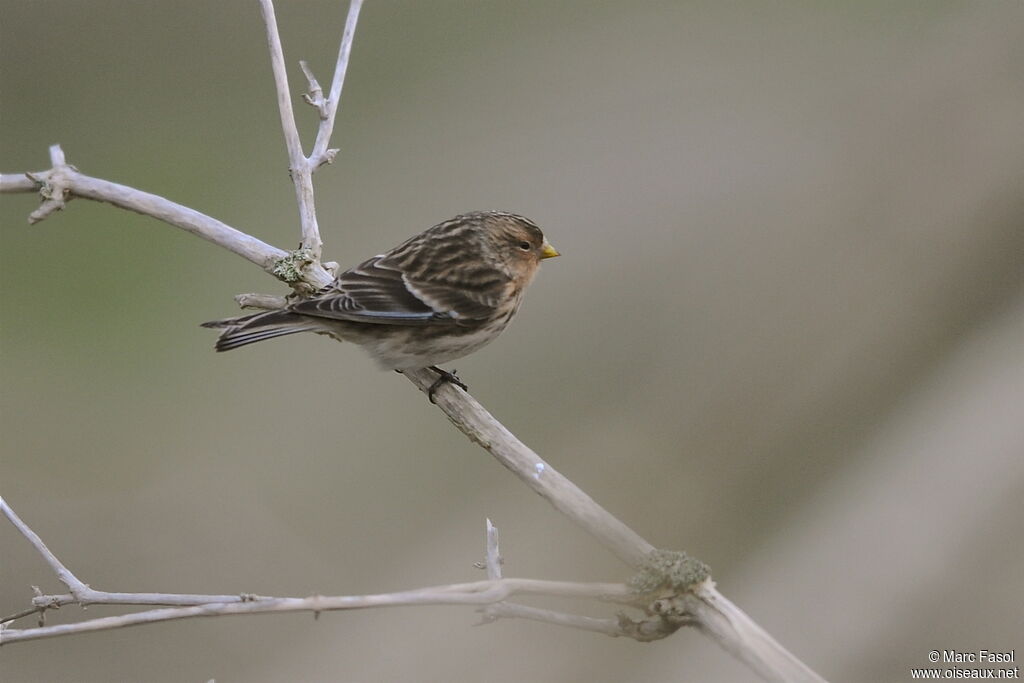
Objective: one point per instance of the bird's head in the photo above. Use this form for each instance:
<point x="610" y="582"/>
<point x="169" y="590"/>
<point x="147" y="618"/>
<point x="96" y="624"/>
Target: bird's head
<point x="516" y="242"/>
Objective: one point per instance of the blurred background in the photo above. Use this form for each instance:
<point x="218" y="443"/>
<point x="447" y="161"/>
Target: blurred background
<point x="785" y="334"/>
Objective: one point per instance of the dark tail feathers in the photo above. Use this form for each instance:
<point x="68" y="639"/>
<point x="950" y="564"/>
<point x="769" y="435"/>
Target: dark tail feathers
<point x="257" y="327"/>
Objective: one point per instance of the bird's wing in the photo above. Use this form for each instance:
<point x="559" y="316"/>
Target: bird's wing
<point x="380" y="291"/>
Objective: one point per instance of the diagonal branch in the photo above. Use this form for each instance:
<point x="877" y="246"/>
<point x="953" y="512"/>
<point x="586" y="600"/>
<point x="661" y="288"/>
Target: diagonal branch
<point x="711" y="612"/>
<point x="473" y="420"/>
<point x="321" y="154"/>
<point x="76" y="587"/>
<point x="67" y="182"/>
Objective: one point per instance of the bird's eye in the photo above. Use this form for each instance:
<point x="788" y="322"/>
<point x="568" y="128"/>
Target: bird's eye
<point x="525" y="246"/>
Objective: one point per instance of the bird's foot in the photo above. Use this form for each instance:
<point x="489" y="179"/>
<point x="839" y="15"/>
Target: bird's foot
<point x="444" y="377"/>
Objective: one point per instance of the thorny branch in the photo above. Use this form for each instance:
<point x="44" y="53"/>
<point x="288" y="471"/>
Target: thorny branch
<point x="690" y="600"/>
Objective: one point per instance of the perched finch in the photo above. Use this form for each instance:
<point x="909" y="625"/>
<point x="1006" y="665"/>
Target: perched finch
<point x="438" y="296"/>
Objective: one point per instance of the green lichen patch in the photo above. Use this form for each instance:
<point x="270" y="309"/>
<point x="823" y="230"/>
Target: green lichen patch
<point x="672" y="569"/>
<point x="289" y="268"/>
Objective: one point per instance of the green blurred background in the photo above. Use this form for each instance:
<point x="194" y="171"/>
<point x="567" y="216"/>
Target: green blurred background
<point x="785" y="334"/>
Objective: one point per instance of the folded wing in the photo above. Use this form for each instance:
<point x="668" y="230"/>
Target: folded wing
<point x="380" y="291"/>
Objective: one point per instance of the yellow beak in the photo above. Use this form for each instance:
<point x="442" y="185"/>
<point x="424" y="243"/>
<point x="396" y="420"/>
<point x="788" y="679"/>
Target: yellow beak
<point x="548" y="251"/>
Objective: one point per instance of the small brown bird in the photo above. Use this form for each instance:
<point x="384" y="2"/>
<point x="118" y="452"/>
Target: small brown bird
<point x="438" y="296"/>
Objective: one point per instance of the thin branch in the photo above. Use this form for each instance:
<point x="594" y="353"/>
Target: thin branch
<point x="267" y="302"/>
<point x="14" y="183"/>
<point x="95" y="597"/>
<point x="729" y="626"/>
<point x="314" y="95"/>
<point x="302" y="176"/>
<point x="22" y="613"/>
<point x="284" y="98"/>
<point x="493" y="553"/>
<point x="82" y="594"/>
<point x="321" y="154"/>
<point x="507" y="610"/>
<point x="478" y="593"/>
<point x="715" y="615"/>
<point x="302" y="167"/>
<point x="65" y="575"/>
<point x="493" y="590"/>
<point x="473" y="420"/>
<point x="72" y="183"/>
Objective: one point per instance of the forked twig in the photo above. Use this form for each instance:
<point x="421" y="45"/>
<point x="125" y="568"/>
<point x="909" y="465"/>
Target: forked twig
<point x="301" y="166"/>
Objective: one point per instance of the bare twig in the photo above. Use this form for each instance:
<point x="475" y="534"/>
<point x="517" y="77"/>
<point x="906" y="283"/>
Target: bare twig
<point x="302" y="167"/>
<point x="482" y="428"/>
<point x="507" y="610"/>
<point x="19" y="615"/>
<point x="493" y="590"/>
<point x="13" y="183"/>
<point x="95" y="597"/>
<point x="493" y="553"/>
<point x="284" y="96"/>
<point x="72" y="183"/>
<point x="76" y="587"/>
<point x="725" y="623"/>
<point x="314" y="95"/>
<point x="264" y="301"/>
<point x="478" y="593"/>
<point x="321" y="154"/>
<point x="298" y="165"/>
<point x="82" y="594"/>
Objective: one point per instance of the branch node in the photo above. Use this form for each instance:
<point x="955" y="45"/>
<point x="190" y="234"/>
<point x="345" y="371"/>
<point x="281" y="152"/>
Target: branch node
<point x="315" y="95"/>
<point x="647" y="630"/>
<point x="327" y="157"/>
<point x="54" y="185"/>
<point x="54" y="190"/>
<point x="268" y="302"/>
<point x="38" y="178"/>
<point x="671" y="575"/>
<point x="45" y="601"/>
